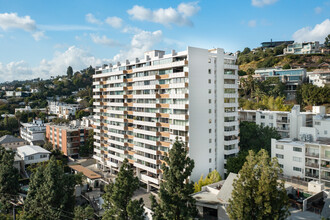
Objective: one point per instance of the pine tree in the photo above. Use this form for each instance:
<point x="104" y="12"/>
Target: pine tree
<point x="257" y="194"/>
<point x="212" y="177"/>
<point x="175" y="200"/>
<point x="81" y="213"/>
<point x="51" y="193"/>
<point x="118" y="204"/>
<point x="8" y="178"/>
<point x="69" y="72"/>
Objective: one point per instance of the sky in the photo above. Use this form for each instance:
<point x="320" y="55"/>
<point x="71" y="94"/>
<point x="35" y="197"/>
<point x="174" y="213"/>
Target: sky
<point x="41" y="38"/>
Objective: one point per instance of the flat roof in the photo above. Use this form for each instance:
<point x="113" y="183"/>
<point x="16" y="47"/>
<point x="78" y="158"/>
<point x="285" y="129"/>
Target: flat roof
<point x="28" y="150"/>
<point x="85" y="171"/>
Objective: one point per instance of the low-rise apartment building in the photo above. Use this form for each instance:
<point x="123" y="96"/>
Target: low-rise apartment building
<point x="62" y="110"/>
<point x="303" y="48"/>
<point x="67" y="138"/>
<point x="11" y="142"/>
<point x="288" y="124"/>
<point x="290" y="77"/>
<point x="31" y="154"/>
<point x="307" y="157"/>
<point x="319" y="77"/>
<point x="143" y="105"/>
<point x="34" y="132"/>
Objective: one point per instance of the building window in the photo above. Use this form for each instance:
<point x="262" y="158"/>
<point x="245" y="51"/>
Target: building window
<point x="297" y="169"/>
<point x="210" y="160"/>
<point x="210" y="121"/>
<point x="210" y="101"/>
<point x="325" y="132"/>
<point x="262" y="124"/>
<point x="281" y="165"/>
<point x="210" y="111"/>
<point x="279" y="147"/>
<point x="262" y="117"/>
<point x="30" y="157"/>
<point x="270" y="124"/>
<point x="209" y="71"/>
<point x="297" y="159"/>
<point x="317" y="123"/>
<point x="210" y="131"/>
<point x="297" y="149"/>
<point x="270" y="117"/>
<point x="210" y="150"/>
<point x="210" y="81"/>
<point x="210" y="170"/>
<point x="209" y="91"/>
<point x="210" y="140"/>
<point x="280" y="156"/>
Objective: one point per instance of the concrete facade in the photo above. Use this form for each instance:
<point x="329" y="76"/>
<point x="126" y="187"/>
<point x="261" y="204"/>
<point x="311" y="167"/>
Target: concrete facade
<point x="141" y="106"/>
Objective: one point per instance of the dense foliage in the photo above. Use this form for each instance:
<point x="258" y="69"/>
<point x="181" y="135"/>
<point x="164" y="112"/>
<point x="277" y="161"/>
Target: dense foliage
<point x="175" y="200"/>
<point x="118" y="197"/>
<point x="257" y="193"/>
<point x="51" y="193"/>
<point x="308" y="94"/>
<point x="212" y="177"/>
<point x="9" y="176"/>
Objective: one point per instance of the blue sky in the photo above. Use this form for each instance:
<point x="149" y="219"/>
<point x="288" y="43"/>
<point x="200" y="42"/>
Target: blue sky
<point x="41" y="38"/>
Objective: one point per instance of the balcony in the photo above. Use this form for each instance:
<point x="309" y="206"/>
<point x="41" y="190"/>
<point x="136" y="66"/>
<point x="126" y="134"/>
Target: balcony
<point x="147" y="179"/>
<point x="313" y="165"/>
<point x="316" y="176"/>
<point x="324" y="177"/>
<point x="310" y="154"/>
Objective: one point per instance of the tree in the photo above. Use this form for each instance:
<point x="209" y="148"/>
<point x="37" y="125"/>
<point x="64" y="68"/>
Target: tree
<point x="286" y="66"/>
<point x="257" y="193"/>
<point x="235" y="164"/>
<point x="81" y="213"/>
<point x="175" y="200"/>
<point x="51" y="192"/>
<point x="81" y="114"/>
<point x="212" y="177"/>
<point x="9" y="176"/>
<point x="246" y="51"/>
<point x="118" y="203"/>
<point x="248" y="133"/>
<point x="327" y="41"/>
<point x="69" y="72"/>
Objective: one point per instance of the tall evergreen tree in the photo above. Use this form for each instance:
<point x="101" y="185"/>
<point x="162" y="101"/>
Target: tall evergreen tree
<point x="175" y="200"/>
<point x="118" y="204"/>
<point x="69" y="72"/>
<point x="8" y="178"/>
<point x="257" y="194"/>
<point x="51" y="193"/>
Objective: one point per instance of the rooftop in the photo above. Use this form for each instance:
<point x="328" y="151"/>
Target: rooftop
<point x="10" y="139"/>
<point x="28" y="150"/>
<point x="85" y="171"/>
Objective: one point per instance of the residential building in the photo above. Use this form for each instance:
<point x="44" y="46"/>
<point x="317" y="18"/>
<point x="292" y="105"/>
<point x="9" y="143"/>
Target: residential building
<point x="11" y="142"/>
<point x="286" y="123"/>
<point x="319" y="77"/>
<point x="67" y="138"/>
<point x="303" y="48"/>
<point x="142" y="106"/>
<point x="29" y="109"/>
<point x="272" y="43"/>
<point x="17" y="94"/>
<point x="34" y="132"/>
<point x="62" y="110"/>
<point x="31" y="154"/>
<point x="290" y="77"/>
<point x="307" y="157"/>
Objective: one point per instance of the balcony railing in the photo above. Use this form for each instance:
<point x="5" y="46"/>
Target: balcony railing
<point x="325" y="177"/>
<point x="312" y="175"/>
<point x="312" y="154"/>
<point x="315" y="165"/>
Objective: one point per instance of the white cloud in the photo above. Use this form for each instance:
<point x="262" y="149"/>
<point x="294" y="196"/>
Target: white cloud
<point x="318" y="10"/>
<point x="104" y="40"/>
<point x="318" y="33"/>
<point x="68" y="27"/>
<point x="90" y="18"/>
<point x="140" y="43"/>
<point x="73" y="56"/>
<point x="167" y="16"/>
<point x="252" y="23"/>
<point x="13" y="21"/>
<point x="114" y="22"/>
<point x="38" y="35"/>
<point x="261" y="3"/>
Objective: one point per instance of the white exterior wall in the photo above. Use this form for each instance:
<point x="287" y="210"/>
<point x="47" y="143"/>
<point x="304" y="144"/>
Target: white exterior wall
<point x="36" y="158"/>
<point x="288" y="153"/>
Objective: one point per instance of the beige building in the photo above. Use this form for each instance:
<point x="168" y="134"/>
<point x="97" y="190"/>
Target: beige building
<point x="12" y="142"/>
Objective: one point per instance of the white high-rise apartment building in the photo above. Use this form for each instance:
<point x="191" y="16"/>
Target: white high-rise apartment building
<point x="141" y="106"/>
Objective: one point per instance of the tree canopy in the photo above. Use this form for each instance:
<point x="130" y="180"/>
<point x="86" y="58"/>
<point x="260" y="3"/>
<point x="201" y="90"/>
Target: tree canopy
<point x="257" y="193"/>
<point x="51" y="193"/>
<point x="9" y="176"/>
<point x="118" y="197"/>
<point x="175" y="200"/>
<point x="212" y="177"/>
<point x="309" y="94"/>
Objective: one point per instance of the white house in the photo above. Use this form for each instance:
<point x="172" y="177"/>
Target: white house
<point x="31" y="154"/>
<point x="33" y="132"/>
